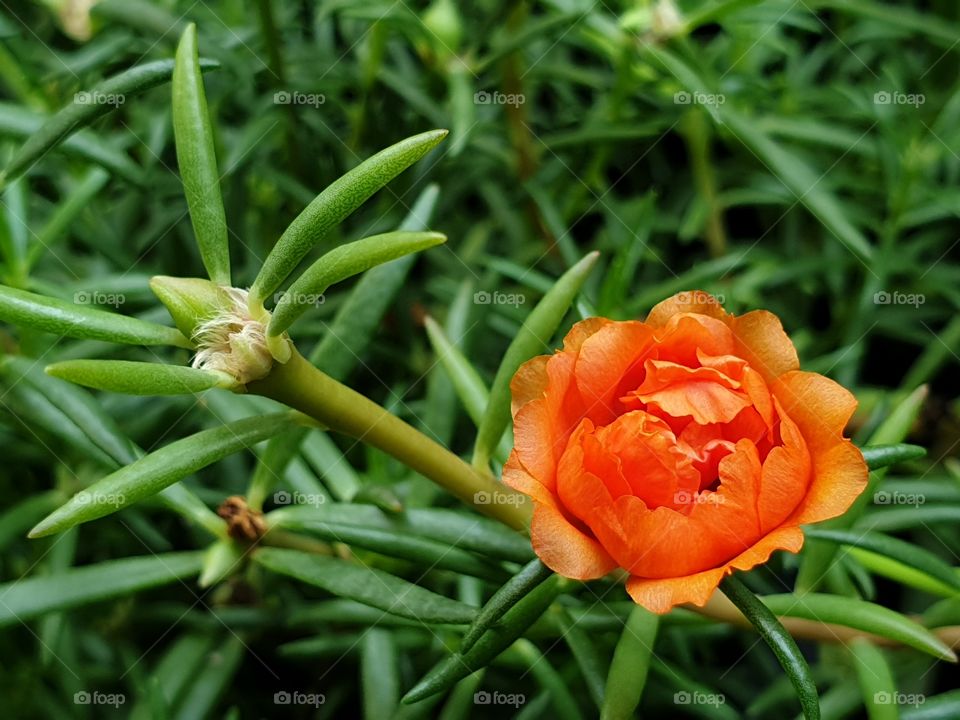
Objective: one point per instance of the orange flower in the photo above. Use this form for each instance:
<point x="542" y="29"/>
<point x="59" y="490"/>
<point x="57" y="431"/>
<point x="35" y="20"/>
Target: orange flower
<point x="679" y="449"/>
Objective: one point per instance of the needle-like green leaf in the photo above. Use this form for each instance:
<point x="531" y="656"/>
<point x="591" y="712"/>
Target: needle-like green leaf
<point x="335" y="203"/>
<point x="21" y="123"/>
<point x="379" y="674"/>
<point x="465" y="378"/>
<point x="860" y="615"/>
<point x="70" y="413"/>
<point x="907" y="553"/>
<point x="779" y="640"/>
<point x="89" y="105"/>
<point x="353" y="327"/>
<point x="880" y="456"/>
<point x="220" y="560"/>
<point x="531" y="339"/>
<point x="631" y="662"/>
<point x="28" y="598"/>
<point x="343" y="262"/>
<point x="371" y="587"/>
<point x="160" y="469"/>
<point x="877" y="685"/>
<point x="52" y="315"/>
<point x="198" y="160"/>
<point x="455" y="528"/>
<point x="138" y="378"/>
<point x="514" y="590"/>
<point x="403" y="544"/>
<point x="493" y="642"/>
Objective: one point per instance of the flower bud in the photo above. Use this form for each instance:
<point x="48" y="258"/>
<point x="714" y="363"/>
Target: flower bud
<point x="442" y="20"/>
<point x="221" y="559"/>
<point x="666" y="20"/>
<point x="190" y="301"/>
<point x="228" y="336"/>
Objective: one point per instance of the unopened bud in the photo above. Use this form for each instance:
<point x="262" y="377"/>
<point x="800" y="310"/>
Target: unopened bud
<point x="190" y="301"/>
<point x="228" y="337"/>
<point x="442" y="20"/>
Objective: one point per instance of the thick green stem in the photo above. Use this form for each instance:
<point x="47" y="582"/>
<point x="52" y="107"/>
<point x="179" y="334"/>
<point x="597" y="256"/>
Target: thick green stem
<point x="300" y="385"/>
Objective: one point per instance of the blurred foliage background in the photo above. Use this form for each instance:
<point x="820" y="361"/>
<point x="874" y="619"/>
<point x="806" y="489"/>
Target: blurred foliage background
<point x="796" y="155"/>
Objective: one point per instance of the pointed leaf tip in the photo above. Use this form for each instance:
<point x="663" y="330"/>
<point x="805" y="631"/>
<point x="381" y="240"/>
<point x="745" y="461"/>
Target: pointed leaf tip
<point x="341" y="263"/>
<point x="196" y="157"/>
<point x="337" y="201"/>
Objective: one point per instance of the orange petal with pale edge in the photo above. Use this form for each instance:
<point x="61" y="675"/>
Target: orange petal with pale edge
<point x="573" y="340"/>
<point x="691" y="301"/>
<point x="516" y="476"/>
<point x="542" y="425"/>
<point x="661" y="595"/>
<point x="821" y="409"/>
<point x="565" y="549"/>
<point x="529" y="384"/>
<point x="786" y="477"/>
<point x="705" y="394"/>
<point x="604" y="359"/>
<point x="764" y="343"/>
<point x="840" y="475"/>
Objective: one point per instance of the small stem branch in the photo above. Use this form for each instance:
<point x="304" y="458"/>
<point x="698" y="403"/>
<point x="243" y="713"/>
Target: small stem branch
<point x="284" y="539"/>
<point x="303" y="387"/>
<point x="720" y="608"/>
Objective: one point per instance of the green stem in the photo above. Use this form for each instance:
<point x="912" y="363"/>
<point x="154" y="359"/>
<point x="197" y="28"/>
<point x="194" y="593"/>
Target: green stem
<point x="697" y="135"/>
<point x="780" y="641"/>
<point x="302" y="386"/>
<point x="283" y="539"/>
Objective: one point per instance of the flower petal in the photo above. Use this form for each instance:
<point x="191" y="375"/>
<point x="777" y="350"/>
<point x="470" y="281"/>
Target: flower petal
<point x="529" y="384"/>
<point x="604" y="361"/>
<point x="565" y="549"/>
<point x="821" y="409"/>
<point x="764" y="344"/>
<point x="662" y="594"/>
<point x="704" y="394"/>
<point x="786" y="476"/>
<point x="689" y="301"/>
<point x="840" y="477"/>
<point x="542" y="426"/>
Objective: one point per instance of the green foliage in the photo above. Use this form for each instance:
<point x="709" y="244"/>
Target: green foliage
<point x="197" y="159"/>
<point x="779" y="640"/>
